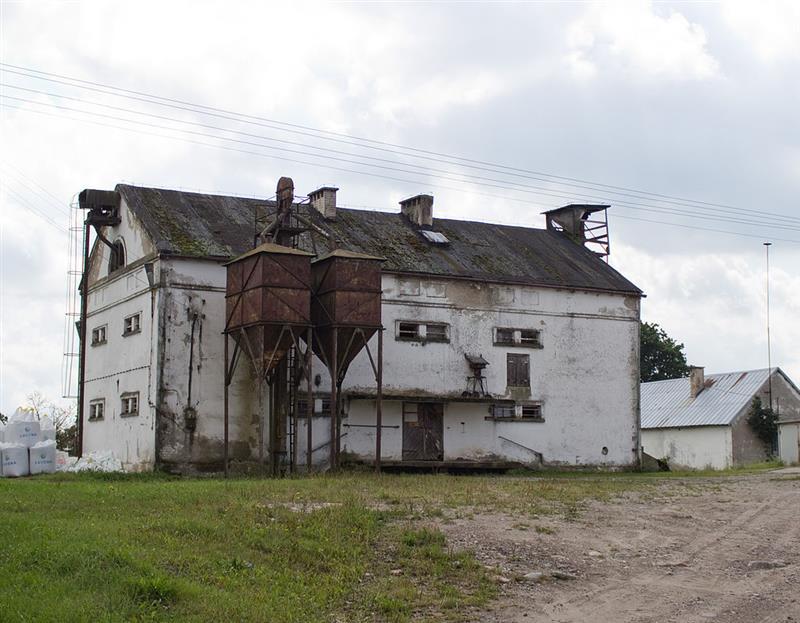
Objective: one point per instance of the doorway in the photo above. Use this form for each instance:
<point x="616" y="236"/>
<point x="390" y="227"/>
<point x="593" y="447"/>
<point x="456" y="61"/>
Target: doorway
<point x="423" y="431"/>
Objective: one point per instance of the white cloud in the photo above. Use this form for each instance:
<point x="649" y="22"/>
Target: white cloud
<point x="771" y="27"/>
<point x="633" y="37"/>
<point x="715" y="303"/>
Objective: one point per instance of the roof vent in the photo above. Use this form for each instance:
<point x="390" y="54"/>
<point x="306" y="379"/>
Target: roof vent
<point x="323" y="200"/>
<point x="434" y="236"/>
<point x="418" y="210"/>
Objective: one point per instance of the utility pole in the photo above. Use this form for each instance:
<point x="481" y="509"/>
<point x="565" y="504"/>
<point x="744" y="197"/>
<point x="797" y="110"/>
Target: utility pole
<point x="767" y="245"/>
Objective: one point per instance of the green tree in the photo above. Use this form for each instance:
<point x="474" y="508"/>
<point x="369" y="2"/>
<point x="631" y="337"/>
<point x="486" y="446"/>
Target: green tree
<point x="661" y="357"/>
<point x="764" y="422"/>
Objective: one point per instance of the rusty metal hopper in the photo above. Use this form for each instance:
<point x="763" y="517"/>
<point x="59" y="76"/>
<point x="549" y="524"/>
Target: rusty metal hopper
<point x="268" y="295"/>
<point x="346" y="303"/>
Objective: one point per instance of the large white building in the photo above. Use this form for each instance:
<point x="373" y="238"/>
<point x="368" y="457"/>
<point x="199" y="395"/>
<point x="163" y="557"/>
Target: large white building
<point x="556" y="327"/>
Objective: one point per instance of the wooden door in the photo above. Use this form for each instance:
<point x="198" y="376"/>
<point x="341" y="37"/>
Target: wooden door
<point x="423" y="431"/>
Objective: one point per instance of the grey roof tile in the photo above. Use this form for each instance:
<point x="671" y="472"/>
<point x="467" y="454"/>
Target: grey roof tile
<point x="203" y="225"/>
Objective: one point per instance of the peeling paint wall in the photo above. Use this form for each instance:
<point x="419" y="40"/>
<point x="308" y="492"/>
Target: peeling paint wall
<point x="191" y="427"/>
<point x="124" y="363"/>
<point x="586" y="375"/>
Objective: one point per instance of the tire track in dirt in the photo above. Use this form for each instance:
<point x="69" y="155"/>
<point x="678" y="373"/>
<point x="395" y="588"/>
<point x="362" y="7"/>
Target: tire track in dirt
<point x="685" y="558"/>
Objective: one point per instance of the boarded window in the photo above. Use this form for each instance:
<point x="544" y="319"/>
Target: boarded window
<point x="99" y="335"/>
<point x="518" y="370"/>
<point x="132" y="324"/>
<point x="130" y="404"/>
<point x="436" y="332"/>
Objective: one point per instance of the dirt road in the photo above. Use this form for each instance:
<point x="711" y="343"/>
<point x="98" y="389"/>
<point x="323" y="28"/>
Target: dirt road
<point x="721" y="549"/>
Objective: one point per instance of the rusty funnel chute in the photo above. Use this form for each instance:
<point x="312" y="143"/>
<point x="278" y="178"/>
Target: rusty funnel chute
<point x="268" y="318"/>
<point x="268" y="294"/>
<point x="346" y="314"/>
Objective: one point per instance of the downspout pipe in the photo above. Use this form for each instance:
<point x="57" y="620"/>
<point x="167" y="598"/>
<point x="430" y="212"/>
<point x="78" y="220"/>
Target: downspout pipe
<point x="82" y="337"/>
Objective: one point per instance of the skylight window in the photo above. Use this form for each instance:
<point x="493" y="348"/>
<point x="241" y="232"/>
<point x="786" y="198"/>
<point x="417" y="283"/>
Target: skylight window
<point x="435" y="237"/>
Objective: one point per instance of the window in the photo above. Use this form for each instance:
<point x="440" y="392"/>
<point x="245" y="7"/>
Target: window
<point x="99" y="335"/>
<point x="532" y="411"/>
<point x="407" y="331"/>
<point x="130" y="404"/>
<point x="321" y="406"/>
<point x="502" y="411"/>
<point x="504" y="336"/>
<point x="436" y="332"/>
<point x="116" y="259"/>
<point x="520" y="412"/>
<point x="518" y="370"/>
<point x="427" y="332"/>
<point x="434" y="236"/>
<point x="97" y="409"/>
<point x="530" y="338"/>
<point x="132" y="324"/>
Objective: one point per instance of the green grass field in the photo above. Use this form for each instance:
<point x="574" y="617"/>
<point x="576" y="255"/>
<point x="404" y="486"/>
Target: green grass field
<point x="346" y="547"/>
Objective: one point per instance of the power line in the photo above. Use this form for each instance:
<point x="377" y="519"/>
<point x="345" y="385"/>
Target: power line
<point x="268" y="156"/>
<point x="545" y="191"/>
<point x="527" y="189"/>
<point x="32" y="208"/>
<point x="31" y="185"/>
<point x="419" y="153"/>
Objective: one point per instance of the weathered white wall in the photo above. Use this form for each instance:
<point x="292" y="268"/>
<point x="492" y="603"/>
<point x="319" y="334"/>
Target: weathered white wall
<point x="122" y="364"/>
<point x="789" y="442"/>
<point x="194" y="291"/>
<point x="585" y="376"/>
<point x="693" y="447"/>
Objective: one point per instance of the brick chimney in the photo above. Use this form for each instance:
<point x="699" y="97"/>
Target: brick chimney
<point x="697" y="380"/>
<point x="418" y="210"/>
<point x="323" y="200"/>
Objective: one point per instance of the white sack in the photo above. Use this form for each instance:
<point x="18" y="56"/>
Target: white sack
<point x="96" y="462"/>
<point x="2" y="432"/>
<point x="64" y="460"/>
<point x="22" y="431"/>
<point x="47" y="430"/>
<point x="14" y="459"/>
<point x="43" y="457"/>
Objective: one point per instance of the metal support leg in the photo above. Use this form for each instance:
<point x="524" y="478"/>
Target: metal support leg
<point x="334" y="398"/>
<point x="225" y="400"/>
<point x="310" y="401"/>
<point x="378" y="403"/>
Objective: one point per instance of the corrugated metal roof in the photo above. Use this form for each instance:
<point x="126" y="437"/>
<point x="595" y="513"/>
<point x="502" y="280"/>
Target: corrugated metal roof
<point x="668" y="404"/>
<point x="202" y="225"/>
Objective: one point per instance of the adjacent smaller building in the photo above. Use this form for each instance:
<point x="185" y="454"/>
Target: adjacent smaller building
<point x="700" y="421"/>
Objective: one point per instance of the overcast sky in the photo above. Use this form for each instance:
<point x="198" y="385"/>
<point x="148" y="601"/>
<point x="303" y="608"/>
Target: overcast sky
<point x="692" y="100"/>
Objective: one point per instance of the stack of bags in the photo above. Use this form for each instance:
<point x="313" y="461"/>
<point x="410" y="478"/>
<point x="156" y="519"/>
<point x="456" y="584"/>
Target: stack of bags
<point x="27" y="445"/>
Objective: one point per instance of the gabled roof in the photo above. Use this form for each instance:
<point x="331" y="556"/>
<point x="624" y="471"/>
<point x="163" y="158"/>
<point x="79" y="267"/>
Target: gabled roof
<point x="668" y="404"/>
<point x="217" y="226"/>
